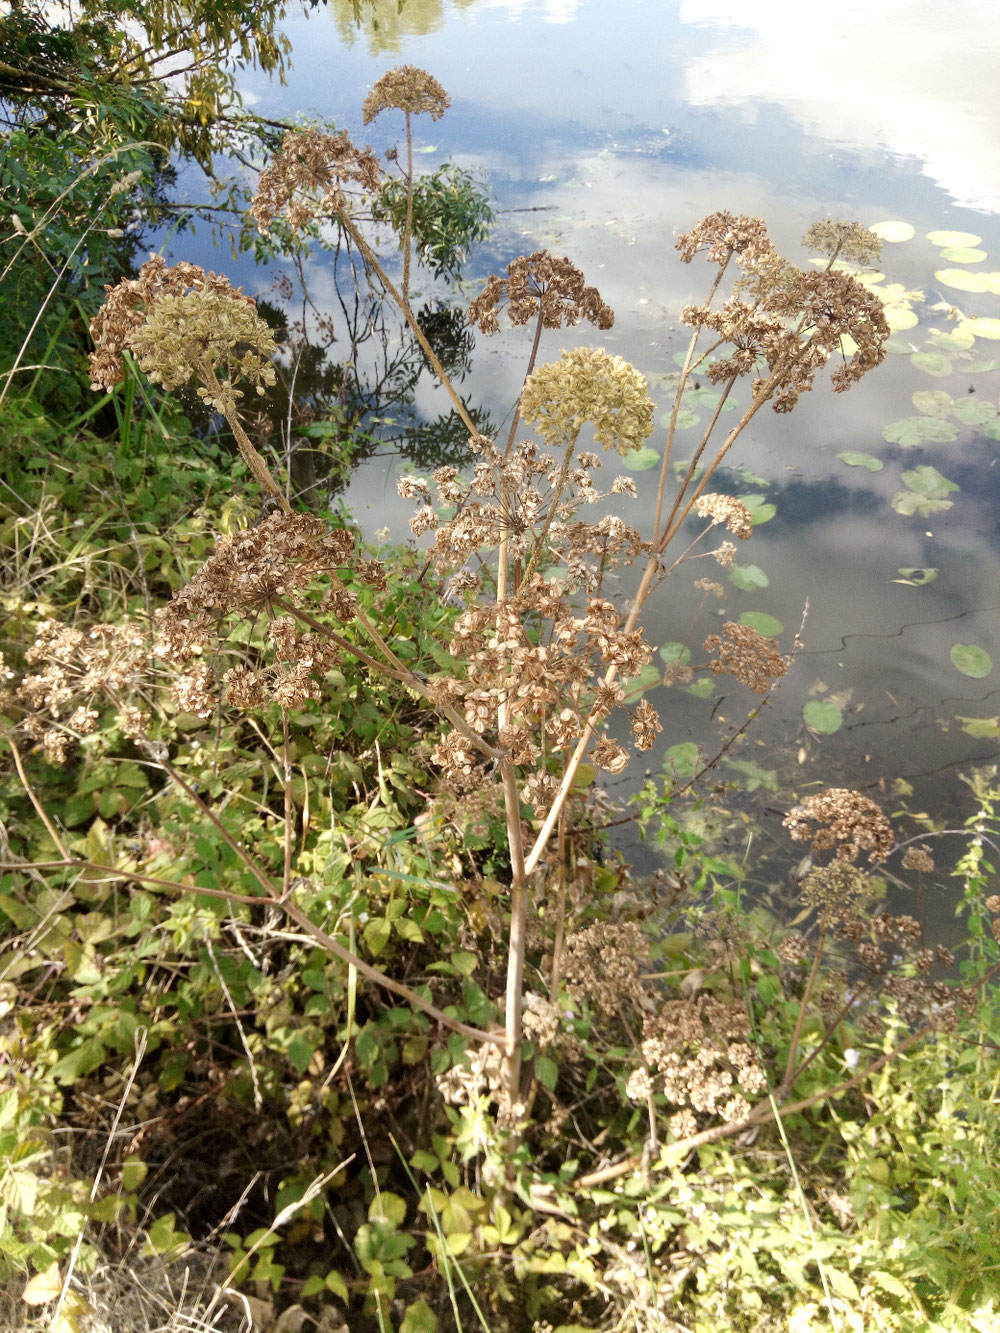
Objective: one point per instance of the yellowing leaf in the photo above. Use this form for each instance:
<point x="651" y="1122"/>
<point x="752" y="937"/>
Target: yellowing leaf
<point x="893" y="230"/>
<point x="943" y="238"/>
<point x="982" y="328"/>
<point x="44" y="1286"/>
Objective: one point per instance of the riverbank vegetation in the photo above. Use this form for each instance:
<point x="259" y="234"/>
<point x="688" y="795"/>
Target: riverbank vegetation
<point x="324" y="1001"/>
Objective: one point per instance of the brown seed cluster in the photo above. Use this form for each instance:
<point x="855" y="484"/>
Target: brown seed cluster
<point x="602" y="966"/>
<point x="76" y="669"/>
<point x="726" y="509"/>
<point x="540" y="285"/>
<point x="541" y="653"/>
<point x="406" y="88"/>
<point x="747" y="655"/>
<point x="782" y="322"/>
<point x="306" y="179"/>
<point x="846" y="820"/>
<point x="697" y="1053"/>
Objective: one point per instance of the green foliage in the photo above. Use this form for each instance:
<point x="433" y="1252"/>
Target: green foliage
<point x="451" y="212"/>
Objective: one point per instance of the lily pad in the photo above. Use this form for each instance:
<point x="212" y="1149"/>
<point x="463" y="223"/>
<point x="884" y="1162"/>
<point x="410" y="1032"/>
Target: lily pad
<point x="926" y="494"/>
<point x="971" y="660"/>
<point x="761" y="510"/>
<point x="768" y="626"/>
<point x="911" y="431"/>
<point x="636" y="686"/>
<point x="748" y="577"/>
<point x="682" y="759"/>
<point x="974" y="411"/>
<point x="822" y="715"/>
<point x="933" y="402"/>
<point x="953" y="340"/>
<point x="932" y="363"/>
<point x="981" y="728"/>
<point x="963" y="281"/>
<point x="676" y="652"/>
<point x="900" y="318"/>
<point x="753" y="775"/>
<point x="641" y="460"/>
<point x="956" y="254"/>
<point x="915" y="577"/>
<point x="893" y="230"/>
<point x="855" y="459"/>
<point x="986" y="327"/>
<point x="945" y="238"/>
<point x="702" y="688"/>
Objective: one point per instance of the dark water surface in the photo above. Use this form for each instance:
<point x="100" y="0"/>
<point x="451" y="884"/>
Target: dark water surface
<point x="624" y="122"/>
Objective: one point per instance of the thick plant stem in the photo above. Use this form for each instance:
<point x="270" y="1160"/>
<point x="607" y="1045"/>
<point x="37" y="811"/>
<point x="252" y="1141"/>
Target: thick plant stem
<point x="408" y="231"/>
<point x="518" y="940"/>
<point x="250" y="456"/>
<point x="372" y="260"/>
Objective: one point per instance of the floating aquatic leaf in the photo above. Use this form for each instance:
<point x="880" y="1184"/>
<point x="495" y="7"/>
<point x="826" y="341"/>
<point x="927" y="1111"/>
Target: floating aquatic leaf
<point x="912" y="431"/>
<point x="952" y="340"/>
<point x="956" y="254"/>
<point x="963" y="280"/>
<point x="637" y="685"/>
<point x="702" y="688"/>
<point x="854" y="459"/>
<point x="753" y="775"/>
<point x="992" y="430"/>
<point x="971" y="660"/>
<point x="676" y="652"/>
<point x="641" y="460"/>
<point x="982" y="328"/>
<point x="748" y="577"/>
<point x="585" y="776"/>
<point x="900" y="317"/>
<point x="953" y="238"/>
<point x="769" y="626"/>
<point x="685" y="419"/>
<point x="916" y="577"/>
<point x="981" y="365"/>
<point x="893" y="230"/>
<point x="682" y="759"/>
<point x="708" y="397"/>
<point x="932" y="363"/>
<point x="761" y="510"/>
<point x="933" y="402"/>
<point x="974" y="411"/>
<point x="981" y="728"/>
<point x="927" y="492"/>
<point x="823" y="716"/>
<point x="848" y="346"/>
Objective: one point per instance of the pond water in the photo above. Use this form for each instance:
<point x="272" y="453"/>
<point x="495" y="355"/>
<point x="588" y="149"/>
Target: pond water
<point x="606" y="129"/>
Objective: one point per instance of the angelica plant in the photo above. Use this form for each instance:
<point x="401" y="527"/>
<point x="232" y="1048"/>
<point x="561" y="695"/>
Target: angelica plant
<point x="543" y="650"/>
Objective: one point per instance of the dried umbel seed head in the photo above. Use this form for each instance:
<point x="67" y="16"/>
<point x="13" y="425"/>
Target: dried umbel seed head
<point x="129" y="303"/>
<point x="587" y="385"/>
<point x="540" y="284"/>
<point x="843" y="240"/>
<point x="747" y="655"/>
<point x="917" y="858"/>
<point x="306" y="178"/>
<point x="846" y="820"/>
<point x="789" y="320"/>
<point x="725" y="509"/>
<point x="838" y="891"/>
<point x="406" y="88"/>
<point x="723" y="235"/>
<point x="205" y="335"/>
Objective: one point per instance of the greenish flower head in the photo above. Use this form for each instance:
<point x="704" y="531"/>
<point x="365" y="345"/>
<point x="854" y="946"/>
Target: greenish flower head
<point x="209" y="336"/>
<point x="589" y="385"/>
